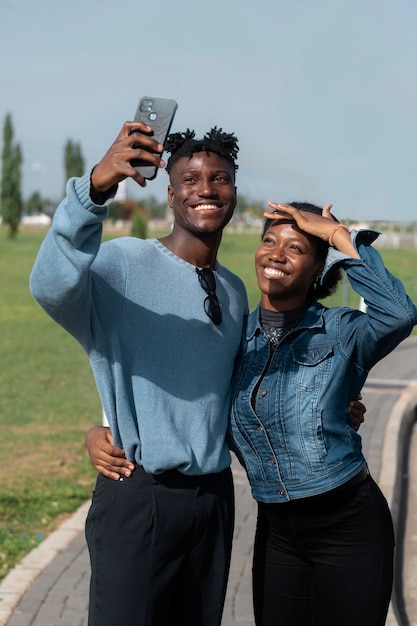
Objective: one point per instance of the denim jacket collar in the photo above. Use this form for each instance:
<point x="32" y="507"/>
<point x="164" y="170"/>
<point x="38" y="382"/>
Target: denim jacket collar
<point x="312" y="318"/>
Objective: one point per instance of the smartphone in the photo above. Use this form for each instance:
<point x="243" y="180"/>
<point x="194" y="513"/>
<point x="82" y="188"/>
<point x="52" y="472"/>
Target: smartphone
<point x="158" y="113"/>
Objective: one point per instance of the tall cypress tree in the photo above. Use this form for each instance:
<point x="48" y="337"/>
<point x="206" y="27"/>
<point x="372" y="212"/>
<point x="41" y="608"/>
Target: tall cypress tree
<point x="73" y="160"/>
<point x="11" y="204"/>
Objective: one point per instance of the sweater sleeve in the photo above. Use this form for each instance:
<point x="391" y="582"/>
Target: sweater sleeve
<point x="61" y="279"/>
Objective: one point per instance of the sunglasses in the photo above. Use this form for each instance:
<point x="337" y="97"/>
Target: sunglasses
<point x="211" y="303"/>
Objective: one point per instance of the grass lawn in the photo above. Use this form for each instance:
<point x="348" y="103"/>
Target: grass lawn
<point x="48" y="398"/>
<point x="47" y="402"/>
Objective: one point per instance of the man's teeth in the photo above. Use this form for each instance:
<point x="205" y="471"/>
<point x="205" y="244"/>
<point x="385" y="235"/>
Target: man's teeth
<point x="205" y="207"/>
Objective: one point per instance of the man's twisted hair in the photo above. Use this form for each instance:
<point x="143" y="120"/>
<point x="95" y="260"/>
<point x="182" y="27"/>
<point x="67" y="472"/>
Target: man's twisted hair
<point x="185" y="145"/>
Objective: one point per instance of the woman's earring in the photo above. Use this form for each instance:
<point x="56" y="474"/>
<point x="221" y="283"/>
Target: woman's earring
<point x="317" y="281"/>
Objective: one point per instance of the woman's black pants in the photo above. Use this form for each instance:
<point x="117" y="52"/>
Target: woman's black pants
<point x="324" y="561"/>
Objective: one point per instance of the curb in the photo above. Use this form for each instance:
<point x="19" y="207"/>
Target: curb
<point x="394" y="462"/>
<point x="19" y="579"/>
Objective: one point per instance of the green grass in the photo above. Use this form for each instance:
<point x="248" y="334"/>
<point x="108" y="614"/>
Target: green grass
<point x="48" y="398"/>
<point x="47" y="402"/>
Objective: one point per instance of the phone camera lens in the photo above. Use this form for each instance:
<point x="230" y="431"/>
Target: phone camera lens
<point x="146" y="105"/>
<point x="152" y="116"/>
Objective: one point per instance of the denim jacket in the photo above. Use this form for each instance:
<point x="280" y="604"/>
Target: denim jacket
<point x="300" y="442"/>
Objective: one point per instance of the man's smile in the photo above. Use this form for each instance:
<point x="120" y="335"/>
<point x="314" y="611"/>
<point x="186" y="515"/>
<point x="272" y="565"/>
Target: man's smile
<point x="205" y="207"/>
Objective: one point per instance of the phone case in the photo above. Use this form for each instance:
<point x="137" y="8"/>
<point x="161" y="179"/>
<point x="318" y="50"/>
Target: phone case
<point x="158" y="113"/>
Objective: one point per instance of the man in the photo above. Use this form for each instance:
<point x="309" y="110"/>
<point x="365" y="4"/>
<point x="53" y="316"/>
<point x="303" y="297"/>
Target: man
<point x="161" y="322"/>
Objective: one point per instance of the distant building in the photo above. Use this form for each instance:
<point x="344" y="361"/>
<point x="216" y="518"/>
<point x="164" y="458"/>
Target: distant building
<point x="39" y="219"/>
<point x="121" y="194"/>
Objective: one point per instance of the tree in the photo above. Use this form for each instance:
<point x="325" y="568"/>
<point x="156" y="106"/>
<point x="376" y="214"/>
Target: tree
<point x="73" y="160"/>
<point x="139" y="225"/>
<point x="154" y="208"/>
<point x="117" y="211"/>
<point x="11" y="204"/>
<point x="34" y="204"/>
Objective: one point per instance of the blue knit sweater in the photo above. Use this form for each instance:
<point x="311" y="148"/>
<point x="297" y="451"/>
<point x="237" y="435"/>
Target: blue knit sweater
<point x="162" y="368"/>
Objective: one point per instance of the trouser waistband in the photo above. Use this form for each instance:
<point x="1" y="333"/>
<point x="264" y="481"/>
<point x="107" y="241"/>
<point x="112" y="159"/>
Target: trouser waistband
<point x="175" y="478"/>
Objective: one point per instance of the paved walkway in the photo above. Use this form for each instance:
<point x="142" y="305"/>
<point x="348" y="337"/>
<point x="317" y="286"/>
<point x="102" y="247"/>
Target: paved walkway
<point x="50" y="586"/>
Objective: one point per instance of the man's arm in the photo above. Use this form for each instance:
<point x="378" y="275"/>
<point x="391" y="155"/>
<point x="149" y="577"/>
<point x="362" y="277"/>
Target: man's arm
<point x="111" y="461"/>
<point x="61" y="280"/>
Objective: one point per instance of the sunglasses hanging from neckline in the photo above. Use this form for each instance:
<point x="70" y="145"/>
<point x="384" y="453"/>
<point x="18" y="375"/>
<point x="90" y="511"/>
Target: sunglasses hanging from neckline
<point x="211" y="303"/>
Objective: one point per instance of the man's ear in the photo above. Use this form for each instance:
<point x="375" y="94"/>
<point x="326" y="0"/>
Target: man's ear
<point x="170" y="196"/>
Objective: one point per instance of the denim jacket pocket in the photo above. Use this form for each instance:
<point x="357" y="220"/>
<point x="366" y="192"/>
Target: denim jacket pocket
<point x="310" y="366"/>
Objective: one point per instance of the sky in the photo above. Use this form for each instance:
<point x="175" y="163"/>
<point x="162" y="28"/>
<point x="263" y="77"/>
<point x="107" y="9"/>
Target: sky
<point x="322" y="94"/>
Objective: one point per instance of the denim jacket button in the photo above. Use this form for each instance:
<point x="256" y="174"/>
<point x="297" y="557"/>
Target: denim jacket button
<point x="263" y="392"/>
<point x="271" y="461"/>
<point x="281" y="492"/>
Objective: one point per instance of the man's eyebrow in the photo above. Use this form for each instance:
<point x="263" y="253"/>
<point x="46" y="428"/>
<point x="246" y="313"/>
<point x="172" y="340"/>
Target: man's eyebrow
<point x="214" y="171"/>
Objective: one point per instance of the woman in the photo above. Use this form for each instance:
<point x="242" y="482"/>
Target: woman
<point x="111" y="461"/>
<point x="324" y="540"/>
